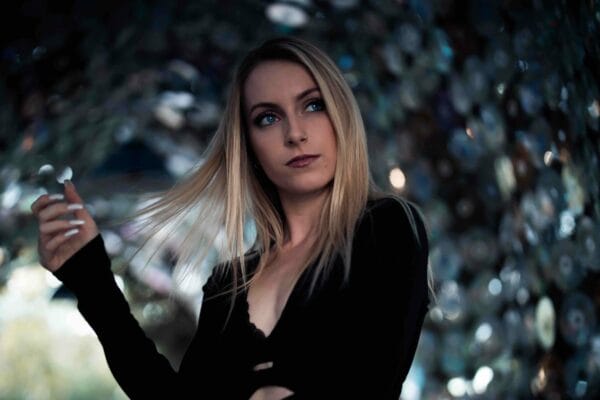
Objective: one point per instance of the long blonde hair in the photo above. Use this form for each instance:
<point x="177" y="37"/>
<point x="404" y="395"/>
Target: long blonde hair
<point x="225" y="191"/>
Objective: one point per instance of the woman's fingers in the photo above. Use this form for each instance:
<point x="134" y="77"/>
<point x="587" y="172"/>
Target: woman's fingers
<point x="71" y="192"/>
<point x="61" y="236"/>
<point x="49" y="207"/>
<point x="58" y="240"/>
<point x="56" y="210"/>
<point x="50" y="227"/>
<point x="43" y="201"/>
<point x="73" y="197"/>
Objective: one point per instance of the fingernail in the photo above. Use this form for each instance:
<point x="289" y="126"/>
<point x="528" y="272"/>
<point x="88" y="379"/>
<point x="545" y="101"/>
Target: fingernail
<point x="56" y="197"/>
<point x="75" y="207"/>
<point x="67" y="182"/>
<point x="76" y="222"/>
<point x="71" y="232"/>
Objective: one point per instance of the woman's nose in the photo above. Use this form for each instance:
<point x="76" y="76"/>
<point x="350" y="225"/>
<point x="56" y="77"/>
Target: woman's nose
<point x="295" y="132"/>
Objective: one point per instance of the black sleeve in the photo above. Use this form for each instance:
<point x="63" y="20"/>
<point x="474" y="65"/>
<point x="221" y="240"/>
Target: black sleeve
<point x="141" y="371"/>
<point x="390" y="301"/>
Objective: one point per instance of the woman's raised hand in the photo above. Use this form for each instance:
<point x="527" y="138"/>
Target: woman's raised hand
<point x="59" y="239"/>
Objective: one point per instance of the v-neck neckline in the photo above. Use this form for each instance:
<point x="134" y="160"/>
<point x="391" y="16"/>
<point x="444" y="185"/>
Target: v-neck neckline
<point x="256" y="330"/>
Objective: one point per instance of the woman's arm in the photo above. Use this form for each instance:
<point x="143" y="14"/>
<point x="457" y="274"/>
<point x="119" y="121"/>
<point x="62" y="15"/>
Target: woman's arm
<point x="77" y="257"/>
<point x="140" y="370"/>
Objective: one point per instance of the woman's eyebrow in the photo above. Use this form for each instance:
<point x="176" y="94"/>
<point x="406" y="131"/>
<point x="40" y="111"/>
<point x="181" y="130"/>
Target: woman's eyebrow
<point x="298" y="97"/>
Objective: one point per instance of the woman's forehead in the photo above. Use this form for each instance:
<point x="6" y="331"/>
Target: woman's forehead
<point x="272" y="79"/>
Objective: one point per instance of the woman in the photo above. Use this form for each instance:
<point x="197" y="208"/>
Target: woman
<point x="329" y="301"/>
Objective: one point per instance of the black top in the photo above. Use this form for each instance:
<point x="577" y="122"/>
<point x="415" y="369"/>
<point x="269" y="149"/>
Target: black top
<point x="347" y="341"/>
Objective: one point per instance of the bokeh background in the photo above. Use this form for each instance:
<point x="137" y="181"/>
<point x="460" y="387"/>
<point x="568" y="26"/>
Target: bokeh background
<point x="485" y="113"/>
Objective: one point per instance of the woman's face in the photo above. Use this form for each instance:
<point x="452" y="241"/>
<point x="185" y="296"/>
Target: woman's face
<point x="286" y="118"/>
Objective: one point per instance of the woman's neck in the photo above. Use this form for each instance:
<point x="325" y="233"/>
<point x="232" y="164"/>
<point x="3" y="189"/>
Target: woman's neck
<point x="302" y="216"/>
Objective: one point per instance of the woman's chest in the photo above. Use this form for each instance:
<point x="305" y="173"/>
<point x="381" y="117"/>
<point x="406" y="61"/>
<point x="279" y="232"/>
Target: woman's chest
<point x="270" y="292"/>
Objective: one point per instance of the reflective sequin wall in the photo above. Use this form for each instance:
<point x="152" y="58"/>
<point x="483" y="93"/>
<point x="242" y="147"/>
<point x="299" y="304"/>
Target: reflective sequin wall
<point x="486" y="114"/>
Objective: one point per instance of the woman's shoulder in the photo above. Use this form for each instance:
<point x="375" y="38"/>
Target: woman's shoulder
<point x="390" y="206"/>
<point x="393" y="216"/>
<point x="220" y="278"/>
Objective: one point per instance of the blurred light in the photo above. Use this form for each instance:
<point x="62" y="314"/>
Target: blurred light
<point x="523" y="65"/>
<point x="594" y="109"/>
<point x="29" y="282"/>
<point x="28" y="142"/>
<point x="397" y="178"/>
<point x="575" y="192"/>
<point x="392" y="58"/>
<point x="178" y="164"/>
<point x="444" y="53"/>
<point x="46" y="169"/>
<point x="287" y="14"/>
<point x="410" y="390"/>
<point x="77" y="324"/>
<point x="495" y="286"/>
<point x="482" y="379"/>
<point x="548" y="157"/>
<point x="567" y="224"/>
<point x="580" y="388"/>
<point x="184" y="69"/>
<point x="346" y="62"/>
<point x="500" y="88"/>
<point x="120" y="282"/>
<point x="67" y="173"/>
<point x="414" y="383"/>
<point x="530" y="98"/>
<point x="177" y="100"/>
<point x="470" y="133"/>
<point x="545" y="320"/>
<point x="153" y="312"/>
<point x="11" y="195"/>
<point x="52" y="280"/>
<point x="124" y="133"/>
<point x="112" y="242"/>
<point x="522" y="296"/>
<point x="451" y="300"/>
<point x="457" y="387"/>
<point x="445" y="259"/>
<point x="505" y="176"/>
<point x="409" y="38"/>
<point x="38" y="52"/>
<point x="436" y="314"/>
<point x="562" y="136"/>
<point x="540" y="381"/>
<point x="483" y="332"/>
<point x="169" y="117"/>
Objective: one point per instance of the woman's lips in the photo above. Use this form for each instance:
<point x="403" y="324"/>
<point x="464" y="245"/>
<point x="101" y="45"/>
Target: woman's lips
<point x="302" y="162"/>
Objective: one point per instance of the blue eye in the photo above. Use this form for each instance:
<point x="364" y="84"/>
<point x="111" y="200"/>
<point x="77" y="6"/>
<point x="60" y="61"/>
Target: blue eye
<point x="316" y="105"/>
<point x="265" y="119"/>
<point x="268" y="118"/>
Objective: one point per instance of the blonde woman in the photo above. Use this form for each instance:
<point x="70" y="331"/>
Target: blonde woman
<point x="330" y="299"/>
